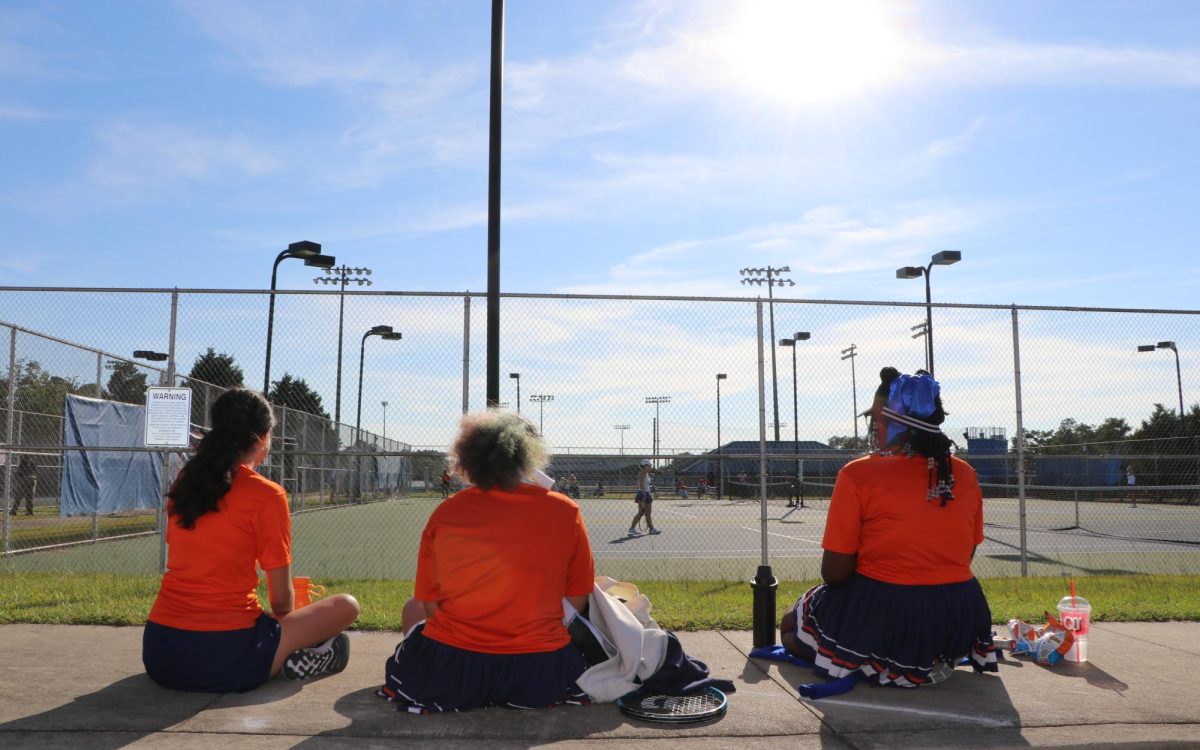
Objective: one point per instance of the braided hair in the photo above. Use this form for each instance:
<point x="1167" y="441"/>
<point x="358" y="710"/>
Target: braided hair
<point x="907" y="411"/>
<point x="240" y="418"/>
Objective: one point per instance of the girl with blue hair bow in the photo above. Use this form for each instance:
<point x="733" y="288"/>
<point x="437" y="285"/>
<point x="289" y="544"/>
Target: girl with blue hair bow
<point x="899" y="605"/>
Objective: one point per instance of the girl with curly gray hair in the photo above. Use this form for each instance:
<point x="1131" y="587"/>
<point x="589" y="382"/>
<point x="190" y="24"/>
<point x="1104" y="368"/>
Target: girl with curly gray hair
<point x="485" y="624"/>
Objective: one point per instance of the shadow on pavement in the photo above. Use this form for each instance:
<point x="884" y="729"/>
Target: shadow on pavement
<point x="132" y="707"/>
<point x="372" y="717"/>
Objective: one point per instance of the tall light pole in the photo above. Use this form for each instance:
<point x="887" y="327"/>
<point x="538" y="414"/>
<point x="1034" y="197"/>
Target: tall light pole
<point x="386" y="333"/>
<point x="622" y="428"/>
<point x="384" y="423"/>
<point x="342" y="275"/>
<point x="1178" y="378"/>
<point x="791" y="344"/>
<point x="311" y="253"/>
<point x="720" y="458"/>
<point x="921" y="329"/>
<point x="771" y="278"/>
<point x="517" y="376"/>
<point x="942" y="258"/>
<point x="850" y="353"/>
<point x="541" y="399"/>
<point x="657" y="401"/>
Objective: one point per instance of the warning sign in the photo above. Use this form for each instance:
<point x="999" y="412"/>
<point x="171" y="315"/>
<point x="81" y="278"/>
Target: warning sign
<point x="168" y="417"/>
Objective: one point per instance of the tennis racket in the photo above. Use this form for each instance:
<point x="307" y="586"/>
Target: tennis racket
<point x="675" y="709"/>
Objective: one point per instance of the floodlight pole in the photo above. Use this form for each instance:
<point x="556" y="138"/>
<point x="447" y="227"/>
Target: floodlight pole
<point x="540" y="399"/>
<point x="517" y="377"/>
<point x="310" y="252"/>
<point x="622" y="428"/>
<point x="341" y="277"/>
<point x="495" y="110"/>
<point x="850" y="353"/>
<point x="791" y="343"/>
<point x="1178" y="377"/>
<point x="941" y="258"/>
<point x="770" y="276"/>
<point x="657" y="400"/>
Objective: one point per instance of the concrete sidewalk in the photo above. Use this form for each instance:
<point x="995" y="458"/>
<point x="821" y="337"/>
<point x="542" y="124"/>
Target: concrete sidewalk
<point x="83" y="687"/>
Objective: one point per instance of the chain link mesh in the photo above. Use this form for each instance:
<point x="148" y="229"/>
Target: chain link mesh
<point x="361" y="445"/>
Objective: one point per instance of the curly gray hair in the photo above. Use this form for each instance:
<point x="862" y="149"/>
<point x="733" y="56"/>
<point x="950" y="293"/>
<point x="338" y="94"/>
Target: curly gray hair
<point x="498" y="449"/>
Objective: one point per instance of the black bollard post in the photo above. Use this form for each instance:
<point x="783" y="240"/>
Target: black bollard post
<point x="764" y="585"/>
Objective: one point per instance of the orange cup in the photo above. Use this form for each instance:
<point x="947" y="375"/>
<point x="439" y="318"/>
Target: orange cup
<point x="306" y="590"/>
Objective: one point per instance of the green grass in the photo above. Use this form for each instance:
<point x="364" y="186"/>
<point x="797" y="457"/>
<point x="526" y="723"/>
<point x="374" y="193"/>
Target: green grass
<point x="44" y="530"/>
<point x="106" y="599"/>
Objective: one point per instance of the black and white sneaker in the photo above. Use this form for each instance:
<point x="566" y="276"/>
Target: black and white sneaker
<point x="329" y="657"/>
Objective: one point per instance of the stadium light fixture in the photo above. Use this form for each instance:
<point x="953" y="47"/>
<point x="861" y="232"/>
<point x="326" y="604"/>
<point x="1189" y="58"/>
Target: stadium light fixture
<point x="517" y="377"/>
<point x="151" y="356"/>
<point x="340" y="277"/>
<point x="771" y="277"/>
<point x="541" y="399"/>
<point x="657" y="401"/>
<point x="940" y="258"/>
<point x="310" y="252"/>
<point x="1178" y="377"/>
<point x="622" y="428"/>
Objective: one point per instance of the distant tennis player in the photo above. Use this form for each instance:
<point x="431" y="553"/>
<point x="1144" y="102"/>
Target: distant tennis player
<point x="643" y="498"/>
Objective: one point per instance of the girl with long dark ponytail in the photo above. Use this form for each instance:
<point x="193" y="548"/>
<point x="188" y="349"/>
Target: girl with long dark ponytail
<point x="240" y="419"/>
<point x="207" y="631"/>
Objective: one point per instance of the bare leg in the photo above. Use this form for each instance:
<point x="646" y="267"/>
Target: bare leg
<point x="787" y="636"/>
<point x="641" y="512"/>
<point x="649" y="523"/>
<point x="313" y="624"/>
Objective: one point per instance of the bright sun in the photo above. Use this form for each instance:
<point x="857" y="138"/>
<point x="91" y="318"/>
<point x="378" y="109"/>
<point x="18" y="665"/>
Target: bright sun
<point x="810" y="49"/>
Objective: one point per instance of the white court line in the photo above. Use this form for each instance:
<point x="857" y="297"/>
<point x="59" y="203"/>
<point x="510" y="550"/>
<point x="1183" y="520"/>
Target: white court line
<point x="680" y="513"/>
<point x="986" y="721"/>
<point x="785" y="536"/>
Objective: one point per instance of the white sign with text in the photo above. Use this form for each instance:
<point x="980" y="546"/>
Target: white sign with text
<point x="168" y="417"/>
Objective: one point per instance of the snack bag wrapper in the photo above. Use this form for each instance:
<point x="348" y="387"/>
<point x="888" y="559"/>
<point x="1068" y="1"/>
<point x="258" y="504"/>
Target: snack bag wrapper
<point x="1046" y="645"/>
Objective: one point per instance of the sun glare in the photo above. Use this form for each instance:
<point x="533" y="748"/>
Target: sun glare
<point x="810" y="49"/>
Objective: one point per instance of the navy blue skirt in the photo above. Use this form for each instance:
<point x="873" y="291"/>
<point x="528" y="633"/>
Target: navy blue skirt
<point x="427" y="676"/>
<point x="894" y="634"/>
<point x="211" y="661"/>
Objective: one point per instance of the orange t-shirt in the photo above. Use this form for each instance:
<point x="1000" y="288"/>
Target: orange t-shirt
<point x="498" y="564"/>
<point x="211" y="569"/>
<point x="880" y="511"/>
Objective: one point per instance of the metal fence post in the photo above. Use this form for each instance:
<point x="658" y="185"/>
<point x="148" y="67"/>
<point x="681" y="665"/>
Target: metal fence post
<point x="466" y="352"/>
<point x="1020" y="445"/>
<point x="8" y="434"/>
<point x="764" y="583"/>
<point x="63" y="458"/>
<point x="166" y="455"/>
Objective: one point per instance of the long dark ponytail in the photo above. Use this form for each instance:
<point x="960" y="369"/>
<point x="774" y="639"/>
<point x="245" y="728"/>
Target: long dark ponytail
<point x="240" y="418"/>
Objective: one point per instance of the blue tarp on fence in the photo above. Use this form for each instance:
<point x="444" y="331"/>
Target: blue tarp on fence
<point x="107" y="481"/>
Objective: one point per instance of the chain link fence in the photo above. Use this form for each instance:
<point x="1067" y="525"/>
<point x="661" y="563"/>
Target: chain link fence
<point x="1058" y="409"/>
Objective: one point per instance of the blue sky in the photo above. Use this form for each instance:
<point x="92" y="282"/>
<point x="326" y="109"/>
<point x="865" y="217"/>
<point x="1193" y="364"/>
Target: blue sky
<point x="650" y="147"/>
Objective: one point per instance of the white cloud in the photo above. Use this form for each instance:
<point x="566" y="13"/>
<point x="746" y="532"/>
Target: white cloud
<point x="16" y="112"/>
<point x="139" y="161"/>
